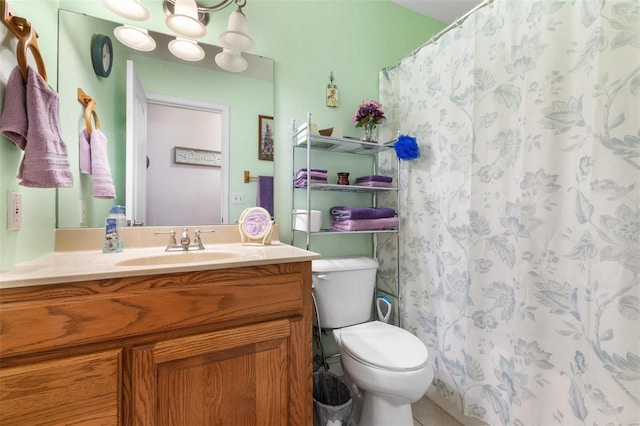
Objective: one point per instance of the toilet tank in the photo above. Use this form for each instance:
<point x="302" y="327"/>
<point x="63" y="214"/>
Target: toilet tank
<point x="343" y="290"/>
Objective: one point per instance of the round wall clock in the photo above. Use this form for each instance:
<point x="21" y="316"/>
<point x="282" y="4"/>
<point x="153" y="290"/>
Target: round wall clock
<point x="101" y="55"/>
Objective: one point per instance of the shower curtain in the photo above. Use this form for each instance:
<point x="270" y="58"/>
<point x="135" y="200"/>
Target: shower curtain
<point x="520" y="221"/>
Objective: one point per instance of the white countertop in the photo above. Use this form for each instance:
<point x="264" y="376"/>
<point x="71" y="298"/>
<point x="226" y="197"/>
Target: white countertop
<point x="68" y="265"/>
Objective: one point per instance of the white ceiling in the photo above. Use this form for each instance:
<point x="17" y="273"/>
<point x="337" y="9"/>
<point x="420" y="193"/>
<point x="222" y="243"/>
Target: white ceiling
<point x="446" y="11"/>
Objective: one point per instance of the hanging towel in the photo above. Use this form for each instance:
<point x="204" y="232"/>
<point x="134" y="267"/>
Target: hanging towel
<point x="45" y="163"/>
<point x="102" y="183"/>
<point x="85" y="152"/>
<point x="265" y="193"/>
<point x="13" y="121"/>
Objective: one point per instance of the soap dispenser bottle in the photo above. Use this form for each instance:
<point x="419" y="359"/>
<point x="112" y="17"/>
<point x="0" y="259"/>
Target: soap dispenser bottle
<point x="111" y="232"/>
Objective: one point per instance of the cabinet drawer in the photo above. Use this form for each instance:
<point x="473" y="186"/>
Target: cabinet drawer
<point x="143" y="305"/>
<point x="75" y="390"/>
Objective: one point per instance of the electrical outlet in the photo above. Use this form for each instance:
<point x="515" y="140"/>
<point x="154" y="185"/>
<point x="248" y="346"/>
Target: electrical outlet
<point x="14" y="211"/>
<point x="83" y="213"/>
<point x="237" y="198"/>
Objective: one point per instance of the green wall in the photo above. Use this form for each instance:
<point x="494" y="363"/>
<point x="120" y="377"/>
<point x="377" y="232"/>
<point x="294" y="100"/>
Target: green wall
<point x="308" y="39"/>
<point x="37" y="237"/>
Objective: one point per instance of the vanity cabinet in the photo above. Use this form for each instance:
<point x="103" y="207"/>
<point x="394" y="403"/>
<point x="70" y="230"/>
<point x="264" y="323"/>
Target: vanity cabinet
<point x="225" y="346"/>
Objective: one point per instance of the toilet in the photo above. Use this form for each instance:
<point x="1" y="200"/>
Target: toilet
<point x="388" y="364"/>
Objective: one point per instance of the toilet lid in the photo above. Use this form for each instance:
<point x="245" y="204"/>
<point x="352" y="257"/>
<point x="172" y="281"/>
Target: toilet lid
<point x="384" y="346"/>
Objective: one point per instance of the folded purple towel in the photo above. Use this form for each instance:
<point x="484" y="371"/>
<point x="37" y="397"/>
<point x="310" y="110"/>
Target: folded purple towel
<point x="342" y="213"/>
<point x="366" y="224"/>
<point x="45" y="163"/>
<point x="375" y="183"/>
<point x="374" y="178"/>
<point x="302" y="183"/>
<point x="314" y="175"/>
<point x="313" y="170"/>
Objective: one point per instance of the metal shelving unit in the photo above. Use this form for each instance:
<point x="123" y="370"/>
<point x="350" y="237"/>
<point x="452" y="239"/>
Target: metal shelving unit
<point x="306" y="142"/>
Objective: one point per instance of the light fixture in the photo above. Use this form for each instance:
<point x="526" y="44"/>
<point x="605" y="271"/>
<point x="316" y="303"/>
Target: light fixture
<point x="186" y="49"/>
<point x="231" y="61"/>
<point x="135" y="38"/>
<point x="131" y="9"/>
<point x="188" y="21"/>
<point x="184" y="19"/>
<point x="237" y="35"/>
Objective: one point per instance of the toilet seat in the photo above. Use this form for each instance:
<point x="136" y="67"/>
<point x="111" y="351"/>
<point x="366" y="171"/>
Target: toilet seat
<point x="384" y="346"/>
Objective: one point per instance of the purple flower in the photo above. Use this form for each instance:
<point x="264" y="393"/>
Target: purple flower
<point x="369" y="111"/>
<point x="406" y="148"/>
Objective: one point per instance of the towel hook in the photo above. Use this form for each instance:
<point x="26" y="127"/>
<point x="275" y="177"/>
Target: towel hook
<point x="248" y="178"/>
<point x="27" y="40"/>
<point x="89" y="110"/>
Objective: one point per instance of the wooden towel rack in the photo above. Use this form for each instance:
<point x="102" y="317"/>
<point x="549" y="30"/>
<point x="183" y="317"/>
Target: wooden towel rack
<point x="89" y="110"/>
<point x="248" y="178"/>
<point x="27" y="40"/>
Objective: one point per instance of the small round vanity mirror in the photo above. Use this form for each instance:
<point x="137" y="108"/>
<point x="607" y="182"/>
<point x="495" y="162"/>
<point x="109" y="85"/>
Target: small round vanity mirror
<point x="255" y="226"/>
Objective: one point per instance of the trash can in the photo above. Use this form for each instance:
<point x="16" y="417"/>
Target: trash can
<point x="332" y="403"/>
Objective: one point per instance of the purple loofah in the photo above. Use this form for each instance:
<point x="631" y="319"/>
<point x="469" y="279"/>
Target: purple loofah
<point x="406" y="148"/>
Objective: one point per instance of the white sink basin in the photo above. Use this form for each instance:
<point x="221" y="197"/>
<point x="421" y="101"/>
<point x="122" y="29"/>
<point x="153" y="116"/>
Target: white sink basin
<point x="176" y="258"/>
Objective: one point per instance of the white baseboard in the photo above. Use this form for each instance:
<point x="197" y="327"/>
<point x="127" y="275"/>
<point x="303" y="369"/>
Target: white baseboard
<point x="452" y="410"/>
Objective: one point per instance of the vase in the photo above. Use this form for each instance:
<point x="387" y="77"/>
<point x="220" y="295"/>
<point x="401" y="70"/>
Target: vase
<point x="369" y="133"/>
<point x="343" y="178"/>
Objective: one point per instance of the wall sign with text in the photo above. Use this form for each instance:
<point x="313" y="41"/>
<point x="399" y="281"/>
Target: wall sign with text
<point x="198" y="157"/>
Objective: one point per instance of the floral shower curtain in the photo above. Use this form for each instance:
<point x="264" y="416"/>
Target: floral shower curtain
<point x="520" y="238"/>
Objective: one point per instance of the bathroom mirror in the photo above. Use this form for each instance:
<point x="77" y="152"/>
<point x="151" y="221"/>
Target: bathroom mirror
<point x="169" y="82"/>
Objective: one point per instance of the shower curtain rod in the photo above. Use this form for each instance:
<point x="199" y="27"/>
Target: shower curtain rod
<point x="437" y="36"/>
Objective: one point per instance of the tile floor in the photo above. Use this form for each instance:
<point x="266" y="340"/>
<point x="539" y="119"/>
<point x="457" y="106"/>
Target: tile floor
<point x="427" y="413"/>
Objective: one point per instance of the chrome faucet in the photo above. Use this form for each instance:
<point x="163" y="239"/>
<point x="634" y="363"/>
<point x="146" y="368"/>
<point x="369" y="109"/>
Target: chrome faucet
<point x="185" y="240"/>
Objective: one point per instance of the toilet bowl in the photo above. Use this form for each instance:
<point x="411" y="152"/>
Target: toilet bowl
<point x="387" y="363"/>
<point x="390" y="365"/>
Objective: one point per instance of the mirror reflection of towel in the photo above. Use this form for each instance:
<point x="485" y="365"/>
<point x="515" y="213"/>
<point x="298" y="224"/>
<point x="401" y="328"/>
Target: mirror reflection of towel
<point x="102" y="183"/>
<point x="264" y="197"/>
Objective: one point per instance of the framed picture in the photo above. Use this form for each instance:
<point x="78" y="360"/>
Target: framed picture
<point x="332" y="97"/>
<point x="265" y="138"/>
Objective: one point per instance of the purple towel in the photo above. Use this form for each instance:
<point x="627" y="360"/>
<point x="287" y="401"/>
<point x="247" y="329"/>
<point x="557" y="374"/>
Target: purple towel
<point x="264" y="198"/>
<point x="45" y="163"/>
<point x="102" y="184"/>
<point x="85" y="152"/>
<point x="302" y="183"/>
<point x="342" y="213"/>
<point x="314" y="174"/>
<point x="325" y="171"/>
<point x="374" y="178"/>
<point x="375" y="183"/>
<point x="13" y="121"/>
<point x="366" y="224"/>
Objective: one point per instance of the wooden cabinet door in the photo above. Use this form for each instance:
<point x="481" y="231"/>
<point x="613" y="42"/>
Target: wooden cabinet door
<point x="238" y="376"/>
<point x="76" y="390"/>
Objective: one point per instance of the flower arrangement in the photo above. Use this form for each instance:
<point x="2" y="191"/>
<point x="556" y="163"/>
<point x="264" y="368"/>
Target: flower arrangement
<point x="369" y="112"/>
<point x="406" y="147"/>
